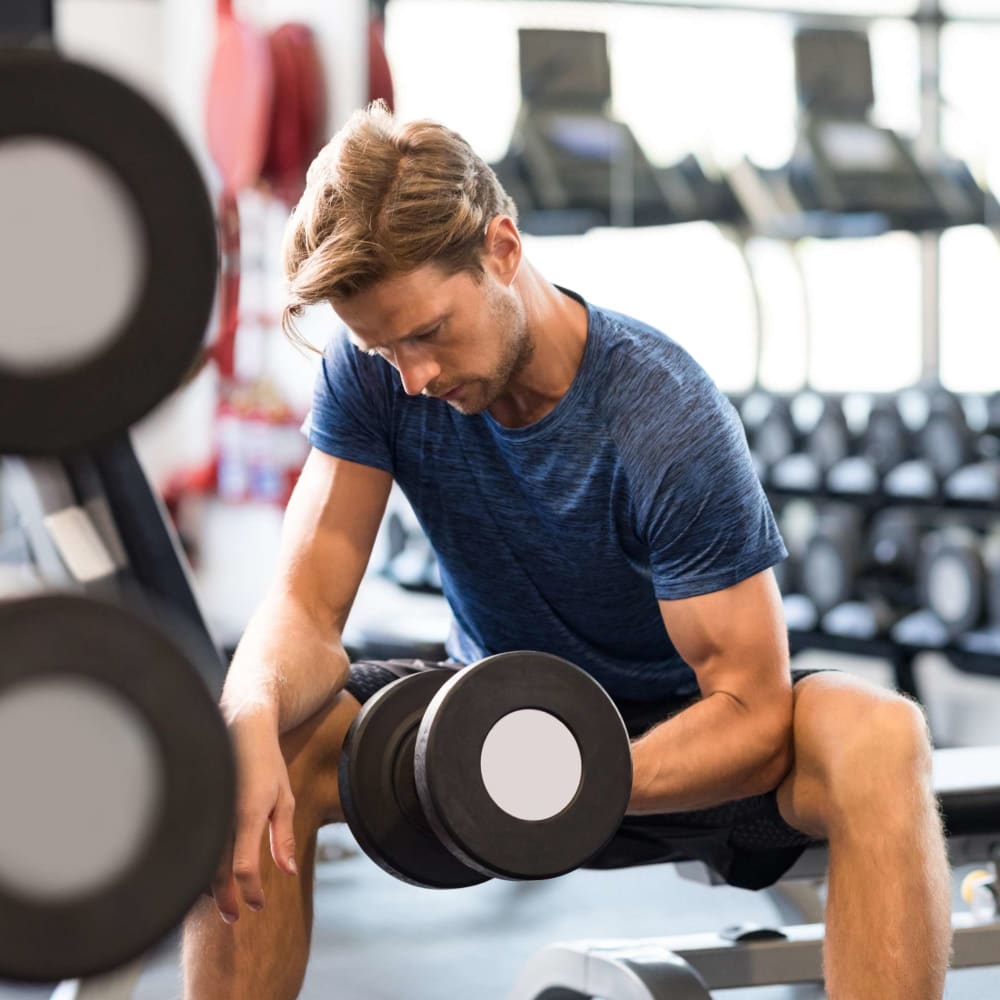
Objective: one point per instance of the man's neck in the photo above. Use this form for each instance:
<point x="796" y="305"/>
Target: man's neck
<point x="557" y="325"/>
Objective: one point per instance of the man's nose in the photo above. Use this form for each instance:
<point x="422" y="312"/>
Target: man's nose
<point x="416" y="372"/>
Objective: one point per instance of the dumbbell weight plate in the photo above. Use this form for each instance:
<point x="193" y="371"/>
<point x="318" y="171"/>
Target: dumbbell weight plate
<point x="886" y="440"/>
<point x="117" y="780"/>
<point x="829" y="440"/>
<point x="952" y="581"/>
<point x="377" y="791"/>
<point x="894" y="541"/>
<point x="832" y="558"/>
<point x="101" y="200"/>
<point x="523" y="796"/>
<point x="776" y="436"/>
<point x="945" y="440"/>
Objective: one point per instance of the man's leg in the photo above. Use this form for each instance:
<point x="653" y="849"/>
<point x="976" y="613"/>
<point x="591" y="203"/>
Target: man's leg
<point x="264" y="954"/>
<point x="862" y="781"/>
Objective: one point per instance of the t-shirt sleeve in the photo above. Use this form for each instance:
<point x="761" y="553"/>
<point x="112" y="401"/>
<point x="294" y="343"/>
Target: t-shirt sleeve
<point x="351" y="415"/>
<point x="699" y="504"/>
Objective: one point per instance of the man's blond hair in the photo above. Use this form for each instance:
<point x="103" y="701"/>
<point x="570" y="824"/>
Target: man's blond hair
<point x="382" y="199"/>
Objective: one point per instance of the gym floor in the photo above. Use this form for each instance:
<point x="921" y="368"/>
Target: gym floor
<point x="378" y="939"/>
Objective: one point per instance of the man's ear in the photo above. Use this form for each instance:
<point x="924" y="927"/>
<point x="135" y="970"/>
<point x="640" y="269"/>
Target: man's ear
<point x="502" y="249"/>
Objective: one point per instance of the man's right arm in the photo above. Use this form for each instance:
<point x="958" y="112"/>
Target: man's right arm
<point x="290" y="661"/>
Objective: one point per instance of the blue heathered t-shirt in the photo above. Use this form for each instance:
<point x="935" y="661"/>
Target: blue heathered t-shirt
<point x="561" y="536"/>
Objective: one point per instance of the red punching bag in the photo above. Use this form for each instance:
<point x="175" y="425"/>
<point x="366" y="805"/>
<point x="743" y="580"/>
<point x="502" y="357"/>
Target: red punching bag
<point x="379" y="75"/>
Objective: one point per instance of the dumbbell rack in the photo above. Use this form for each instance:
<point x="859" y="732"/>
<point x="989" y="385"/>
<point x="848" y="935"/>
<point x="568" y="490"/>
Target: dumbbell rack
<point x="901" y="656"/>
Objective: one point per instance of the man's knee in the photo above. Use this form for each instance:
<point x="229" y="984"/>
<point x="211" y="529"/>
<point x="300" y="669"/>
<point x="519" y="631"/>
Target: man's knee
<point x="858" y="750"/>
<point x="883" y="757"/>
<point x="312" y="754"/>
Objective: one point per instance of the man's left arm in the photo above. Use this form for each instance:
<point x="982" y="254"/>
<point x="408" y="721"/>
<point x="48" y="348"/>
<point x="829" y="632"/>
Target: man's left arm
<point x="736" y="741"/>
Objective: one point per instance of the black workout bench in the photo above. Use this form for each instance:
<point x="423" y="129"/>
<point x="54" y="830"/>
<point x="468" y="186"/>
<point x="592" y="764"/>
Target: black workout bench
<point x="688" y="967"/>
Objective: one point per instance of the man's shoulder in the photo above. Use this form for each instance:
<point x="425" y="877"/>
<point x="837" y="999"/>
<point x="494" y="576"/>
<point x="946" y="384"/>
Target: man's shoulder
<point x="645" y="371"/>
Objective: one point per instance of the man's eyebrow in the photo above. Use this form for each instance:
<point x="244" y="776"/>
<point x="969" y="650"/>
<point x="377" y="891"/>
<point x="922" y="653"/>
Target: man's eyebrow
<point x="423" y="328"/>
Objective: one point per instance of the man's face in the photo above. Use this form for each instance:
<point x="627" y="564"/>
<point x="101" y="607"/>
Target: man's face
<point x="458" y="337"/>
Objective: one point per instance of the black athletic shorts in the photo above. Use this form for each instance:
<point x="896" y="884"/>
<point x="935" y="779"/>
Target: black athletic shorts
<point x="745" y="841"/>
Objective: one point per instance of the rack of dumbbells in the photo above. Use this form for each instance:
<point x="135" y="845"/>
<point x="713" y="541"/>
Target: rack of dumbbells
<point x="890" y="509"/>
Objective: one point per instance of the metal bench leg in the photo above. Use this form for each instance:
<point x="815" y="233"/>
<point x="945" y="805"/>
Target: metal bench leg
<point x="566" y="972"/>
<point x="117" y="985"/>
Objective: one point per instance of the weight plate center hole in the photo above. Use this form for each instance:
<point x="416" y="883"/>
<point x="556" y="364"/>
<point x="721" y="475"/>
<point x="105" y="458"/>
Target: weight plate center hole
<point x="81" y="784"/>
<point x="73" y="263"/>
<point x="531" y="765"/>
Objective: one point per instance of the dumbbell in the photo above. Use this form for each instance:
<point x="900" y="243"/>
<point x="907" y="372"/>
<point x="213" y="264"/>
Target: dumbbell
<point x="117" y="780"/>
<point x="770" y="429"/>
<point x="797" y="524"/>
<point x="833" y="557"/>
<point x="960" y="578"/>
<point x="860" y="585"/>
<point x="516" y="767"/>
<point x="894" y="540"/>
<point x="979" y="481"/>
<point x="944" y="444"/>
<point x="825" y="442"/>
<point x="885" y="443"/>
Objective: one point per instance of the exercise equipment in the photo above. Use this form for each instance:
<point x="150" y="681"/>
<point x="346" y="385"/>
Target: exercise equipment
<point x="797" y="523"/>
<point x="91" y="698"/>
<point x="771" y="431"/>
<point x="833" y="557"/>
<point x="516" y="767"/>
<point x="380" y="86"/>
<point x="979" y="481"/>
<point x="117" y="772"/>
<point x="237" y="121"/>
<point x="943" y="440"/>
<point x="960" y="578"/>
<point x="691" y="967"/>
<point x="845" y="164"/>
<point x="885" y="444"/>
<point x="848" y="177"/>
<point x="133" y="248"/>
<point x="884" y="585"/>
<point x="570" y="165"/>
<point x="860" y="576"/>
<point x="378" y="789"/>
<point x="298" y="110"/>
<point x="894" y="541"/>
<point x="825" y="438"/>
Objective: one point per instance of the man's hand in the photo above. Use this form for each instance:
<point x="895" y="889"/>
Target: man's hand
<point x="263" y="798"/>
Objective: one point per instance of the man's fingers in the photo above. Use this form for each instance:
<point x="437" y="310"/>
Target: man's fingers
<point x="283" y="834"/>
<point x="246" y="857"/>
<point x="224" y="888"/>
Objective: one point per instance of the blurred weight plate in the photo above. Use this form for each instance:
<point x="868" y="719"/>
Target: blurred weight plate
<point x="107" y="255"/>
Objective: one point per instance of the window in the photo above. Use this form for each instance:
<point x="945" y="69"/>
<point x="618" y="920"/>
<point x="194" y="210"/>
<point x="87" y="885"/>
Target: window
<point x="720" y="85"/>
<point x="970" y="258"/>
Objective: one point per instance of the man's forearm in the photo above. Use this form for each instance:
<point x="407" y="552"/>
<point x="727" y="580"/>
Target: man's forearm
<point x="715" y="751"/>
<point x="287" y="666"/>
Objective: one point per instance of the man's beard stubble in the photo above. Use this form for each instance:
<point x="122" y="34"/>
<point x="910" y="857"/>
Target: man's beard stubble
<point x="507" y="315"/>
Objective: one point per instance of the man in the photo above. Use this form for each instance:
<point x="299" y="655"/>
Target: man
<point x="589" y="494"/>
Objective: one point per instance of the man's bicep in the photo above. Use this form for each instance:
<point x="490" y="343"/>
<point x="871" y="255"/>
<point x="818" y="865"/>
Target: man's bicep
<point x="734" y="639"/>
<point x="329" y="529"/>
